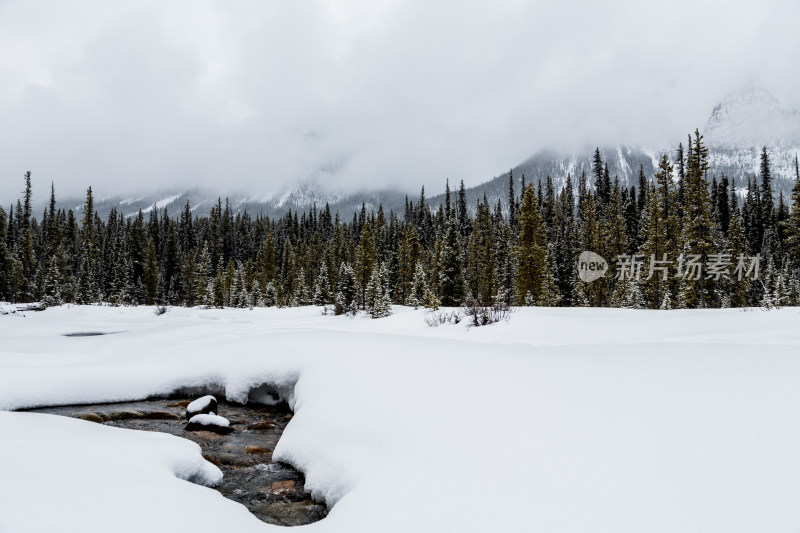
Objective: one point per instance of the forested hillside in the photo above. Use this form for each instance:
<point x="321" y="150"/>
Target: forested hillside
<point x="672" y="242"/>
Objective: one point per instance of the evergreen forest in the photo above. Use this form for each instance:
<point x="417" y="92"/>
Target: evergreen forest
<point x="519" y="252"/>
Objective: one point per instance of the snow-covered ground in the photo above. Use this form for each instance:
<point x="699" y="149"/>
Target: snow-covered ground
<point x="558" y="420"/>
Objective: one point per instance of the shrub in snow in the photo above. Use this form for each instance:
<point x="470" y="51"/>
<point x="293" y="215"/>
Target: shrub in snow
<point x="482" y="315"/>
<point x="209" y="422"/>
<point x="206" y="404"/>
<point x="435" y="318"/>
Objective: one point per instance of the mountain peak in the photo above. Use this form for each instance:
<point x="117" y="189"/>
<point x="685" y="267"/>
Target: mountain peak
<point x="752" y="116"/>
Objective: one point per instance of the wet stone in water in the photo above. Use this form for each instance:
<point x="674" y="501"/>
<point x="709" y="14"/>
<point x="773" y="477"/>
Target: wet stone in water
<point x="273" y="492"/>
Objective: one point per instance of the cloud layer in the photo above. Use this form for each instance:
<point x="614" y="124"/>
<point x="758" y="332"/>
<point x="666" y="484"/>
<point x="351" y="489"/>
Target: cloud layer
<point x="250" y="96"/>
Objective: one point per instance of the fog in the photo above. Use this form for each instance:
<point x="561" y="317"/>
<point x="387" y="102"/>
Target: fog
<point x="251" y="96"/>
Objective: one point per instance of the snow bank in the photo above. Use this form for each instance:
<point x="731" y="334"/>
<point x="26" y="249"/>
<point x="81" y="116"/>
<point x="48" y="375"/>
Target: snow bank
<point x="63" y="474"/>
<point x="560" y="420"/>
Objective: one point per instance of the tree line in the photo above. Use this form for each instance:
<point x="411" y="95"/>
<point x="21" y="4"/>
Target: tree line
<point x="521" y="251"/>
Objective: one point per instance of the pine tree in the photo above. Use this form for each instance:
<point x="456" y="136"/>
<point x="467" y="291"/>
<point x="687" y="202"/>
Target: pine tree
<point x="767" y="201"/>
<point x="793" y="223"/>
<point x="550" y="293"/>
<point x="562" y="250"/>
<point x="266" y="271"/>
<point x="615" y="232"/>
<point x="377" y="293"/>
<point x="407" y="257"/>
<point x="512" y="200"/>
<point x="302" y="296"/>
<point x="601" y="192"/>
<point x="590" y="238"/>
<point x="238" y="291"/>
<point x="366" y="259"/>
<point x="120" y="282"/>
<point x="659" y="238"/>
<point x="461" y="212"/>
<point x="201" y="278"/>
<point x="26" y="253"/>
<point x="430" y="301"/>
<point x="270" y="296"/>
<point x="346" y="291"/>
<point x="52" y="283"/>
<point x="655" y="248"/>
<point x="150" y="274"/>
<point x="480" y="256"/>
<point x="681" y="163"/>
<point x="451" y="267"/>
<point x="227" y="281"/>
<point x="88" y="285"/>
<point x="530" y="251"/>
<point x="643" y="188"/>
<point x="322" y="287"/>
<point x="697" y="226"/>
<point x="419" y="287"/>
<point x="5" y="259"/>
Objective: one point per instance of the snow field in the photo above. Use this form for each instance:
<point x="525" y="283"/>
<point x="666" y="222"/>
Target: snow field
<point x="558" y="420"/>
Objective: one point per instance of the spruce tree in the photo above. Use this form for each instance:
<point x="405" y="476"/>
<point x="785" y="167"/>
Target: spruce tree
<point x="461" y="212"/>
<point x="150" y="274"/>
<point x="512" y="199"/>
<point x="451" y="267"/>
<point x="659" y="239"/>
<point x="377" y="293"/>
<point x="792" y="224"/>
<point x="767" y="201"/>
<point x="88" y="285"/>
<point x="480" y="256"/>
<point x="52" y="283"/>
<point x="408" y="255"/>
<point x="346" y="291"/>
<point x="590" y="238"/>
<point x="642" y="199"/>
<point x="697" y="226"/>
<point x="366" y="259"/>
<point x="530" y="251"/>
<point x="322" y="287"/>
<point x="419" y="287"/>
<point x="27" y="255"/>
<point x="270" y="297"/>
<point x="562" y="249"/>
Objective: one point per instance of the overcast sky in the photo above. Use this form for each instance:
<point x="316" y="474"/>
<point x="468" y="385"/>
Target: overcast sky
<point x="145" y="96"/>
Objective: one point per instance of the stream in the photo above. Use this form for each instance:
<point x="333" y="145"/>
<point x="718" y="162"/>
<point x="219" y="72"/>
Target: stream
<point x="274" y="492"/>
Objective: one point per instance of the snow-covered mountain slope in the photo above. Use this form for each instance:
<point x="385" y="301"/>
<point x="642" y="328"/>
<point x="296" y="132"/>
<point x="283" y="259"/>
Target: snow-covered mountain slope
<point x="737" y="129"/>
<point x="744" y="122"/>
<point x="751" y="116"/>
<point x="299" y="197"/>
<point x="623" y="162"/>
<point x="739" y="126"/>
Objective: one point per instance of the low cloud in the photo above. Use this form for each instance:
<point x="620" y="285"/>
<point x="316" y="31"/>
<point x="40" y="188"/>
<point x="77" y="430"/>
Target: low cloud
<point x="250" y="96"/>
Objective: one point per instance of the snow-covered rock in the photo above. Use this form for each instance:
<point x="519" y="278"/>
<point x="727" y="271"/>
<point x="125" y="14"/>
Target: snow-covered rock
<point x="209" y="422"/>
<point x="206" y="404"/>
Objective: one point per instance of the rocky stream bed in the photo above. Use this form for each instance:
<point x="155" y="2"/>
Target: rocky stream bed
<point x="273" y="492"/>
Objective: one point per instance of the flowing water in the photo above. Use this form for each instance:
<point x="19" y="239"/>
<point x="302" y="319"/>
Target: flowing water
<point x="273" y="492"/>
